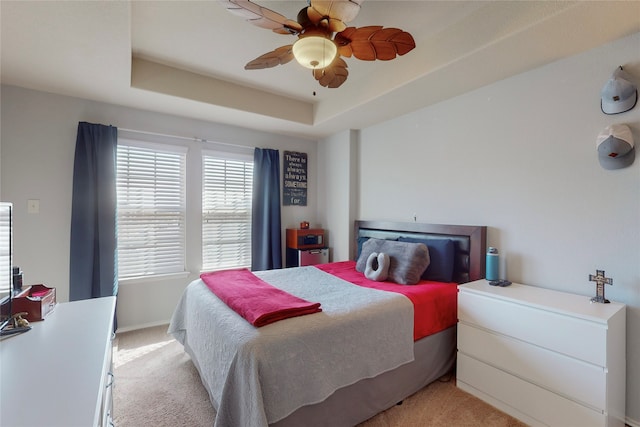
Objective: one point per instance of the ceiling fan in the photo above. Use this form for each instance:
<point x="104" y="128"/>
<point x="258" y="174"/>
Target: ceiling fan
<point x="323" y="38"/>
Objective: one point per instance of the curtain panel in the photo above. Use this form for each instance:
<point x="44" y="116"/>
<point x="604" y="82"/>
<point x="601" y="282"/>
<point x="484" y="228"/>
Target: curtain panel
<point x="266" y="244"/>
<point x="93" y="266"/>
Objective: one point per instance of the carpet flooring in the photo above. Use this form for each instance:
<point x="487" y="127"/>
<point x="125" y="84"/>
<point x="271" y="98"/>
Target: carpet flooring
<point x="156" y="384"/>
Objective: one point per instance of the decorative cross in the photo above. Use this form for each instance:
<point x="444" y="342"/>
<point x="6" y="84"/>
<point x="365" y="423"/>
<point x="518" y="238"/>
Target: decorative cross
<point x="600" y="282"/>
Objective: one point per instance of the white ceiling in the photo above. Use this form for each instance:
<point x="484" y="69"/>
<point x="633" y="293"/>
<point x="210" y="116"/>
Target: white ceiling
<point x="189" y="56"/>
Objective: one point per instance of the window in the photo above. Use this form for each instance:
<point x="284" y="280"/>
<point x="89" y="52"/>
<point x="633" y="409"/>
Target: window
<point x="151" y="209"/>
<point x="226" y="210"/>
<point x="6" y="251"/>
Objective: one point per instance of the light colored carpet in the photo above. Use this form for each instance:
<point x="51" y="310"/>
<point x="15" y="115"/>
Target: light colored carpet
<point x="157" y="385"/>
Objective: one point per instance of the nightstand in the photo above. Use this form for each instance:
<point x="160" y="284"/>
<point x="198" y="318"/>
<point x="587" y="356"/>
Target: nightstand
<point x="543" y="356"/>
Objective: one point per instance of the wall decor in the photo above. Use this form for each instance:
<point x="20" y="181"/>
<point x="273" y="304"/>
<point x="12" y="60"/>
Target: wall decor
<point x="600" y="280"/>
<point x="615" y="147"/>
<point x="294" y="183"/>
<point x="619" y="94"/>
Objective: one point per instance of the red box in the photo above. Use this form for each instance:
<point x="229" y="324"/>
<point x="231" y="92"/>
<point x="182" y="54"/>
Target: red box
<point x="37" y="301"/>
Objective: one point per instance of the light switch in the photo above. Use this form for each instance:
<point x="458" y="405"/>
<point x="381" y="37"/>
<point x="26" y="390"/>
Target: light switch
<point x="33" y="206"/>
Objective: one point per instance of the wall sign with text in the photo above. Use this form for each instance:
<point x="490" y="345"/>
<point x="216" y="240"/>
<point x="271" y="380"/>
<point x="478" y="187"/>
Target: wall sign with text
<point x="294" y="185"/>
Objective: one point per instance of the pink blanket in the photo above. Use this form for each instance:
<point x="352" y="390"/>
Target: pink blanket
<point x="254" y="299"/>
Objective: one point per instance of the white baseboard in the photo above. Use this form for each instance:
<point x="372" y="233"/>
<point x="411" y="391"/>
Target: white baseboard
<point x="146" y="325"/>
<point x="632" y="423"/>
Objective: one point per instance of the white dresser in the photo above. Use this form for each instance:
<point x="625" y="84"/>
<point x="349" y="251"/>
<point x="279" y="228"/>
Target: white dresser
<point x="545" y="357"/>
<point x="59" y="372"/>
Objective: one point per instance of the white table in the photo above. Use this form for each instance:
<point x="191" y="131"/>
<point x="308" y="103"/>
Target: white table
<point x="59" y="372"/>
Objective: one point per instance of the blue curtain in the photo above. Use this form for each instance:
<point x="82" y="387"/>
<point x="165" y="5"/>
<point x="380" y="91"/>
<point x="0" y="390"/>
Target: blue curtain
<point x="266" y="245"/>
<point x="93" y="266"/>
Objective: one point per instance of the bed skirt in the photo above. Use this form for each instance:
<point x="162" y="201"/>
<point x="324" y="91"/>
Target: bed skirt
<point x="348" y="406"/>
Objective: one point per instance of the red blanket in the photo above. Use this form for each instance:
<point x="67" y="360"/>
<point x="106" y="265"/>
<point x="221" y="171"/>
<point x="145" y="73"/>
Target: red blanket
<point x="254" y="299"/>
<point x="435" y="303"/>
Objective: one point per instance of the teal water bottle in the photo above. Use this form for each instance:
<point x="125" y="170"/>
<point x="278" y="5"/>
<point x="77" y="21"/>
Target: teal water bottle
<point x="493" y="260"/>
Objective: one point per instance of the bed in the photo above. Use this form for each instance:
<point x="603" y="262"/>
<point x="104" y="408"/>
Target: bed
<point x="357" y="357"/>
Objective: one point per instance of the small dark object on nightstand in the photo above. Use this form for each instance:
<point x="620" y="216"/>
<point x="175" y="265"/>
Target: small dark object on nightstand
<point x="501" y="283"/>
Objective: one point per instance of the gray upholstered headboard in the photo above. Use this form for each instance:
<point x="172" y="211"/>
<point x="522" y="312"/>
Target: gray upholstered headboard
<point x="470" y="242"/>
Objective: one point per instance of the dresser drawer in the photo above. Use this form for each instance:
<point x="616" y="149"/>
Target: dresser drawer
<point x="583" y="339"/>
<point x="106" y="410"/>
<point x="536" y="402"/>
<point x="583" y="382"/>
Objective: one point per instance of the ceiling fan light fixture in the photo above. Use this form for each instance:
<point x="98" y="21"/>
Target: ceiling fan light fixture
<point x="314" y="52"/>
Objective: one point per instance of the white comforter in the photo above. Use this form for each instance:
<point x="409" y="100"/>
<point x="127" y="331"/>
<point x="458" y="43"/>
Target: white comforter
<point x="256" y="376"/>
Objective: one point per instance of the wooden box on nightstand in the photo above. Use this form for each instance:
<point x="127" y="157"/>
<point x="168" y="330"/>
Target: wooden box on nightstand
<point x="37" y="301"/>
<point x="310" y="238"/>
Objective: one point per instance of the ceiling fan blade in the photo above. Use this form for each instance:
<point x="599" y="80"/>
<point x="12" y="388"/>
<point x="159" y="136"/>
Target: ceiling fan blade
<point x="374" y="42"/>
<point x="334" y="75"/>
<point x="262" y="16"/>
<point x="337" y="12"/>
<point x="280" y="56"/>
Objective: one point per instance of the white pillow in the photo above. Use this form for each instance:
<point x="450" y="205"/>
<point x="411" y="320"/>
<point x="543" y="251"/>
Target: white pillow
<point x="377" y="267"/>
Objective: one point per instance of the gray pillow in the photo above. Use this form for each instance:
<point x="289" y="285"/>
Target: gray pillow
<point x="407" y="260"/>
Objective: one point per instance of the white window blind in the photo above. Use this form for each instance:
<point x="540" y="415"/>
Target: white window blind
<point x="151" y="209"/>
<point x="6" y="249"/>
<point x="226" y="210"/>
